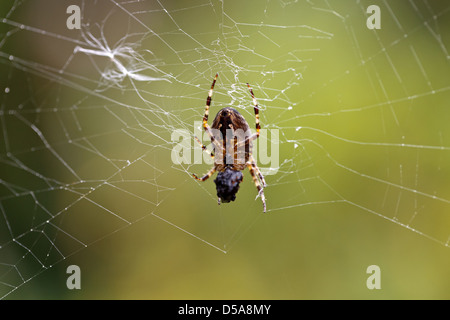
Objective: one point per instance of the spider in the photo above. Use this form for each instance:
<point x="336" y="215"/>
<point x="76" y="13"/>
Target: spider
<point x="229" y="158"/>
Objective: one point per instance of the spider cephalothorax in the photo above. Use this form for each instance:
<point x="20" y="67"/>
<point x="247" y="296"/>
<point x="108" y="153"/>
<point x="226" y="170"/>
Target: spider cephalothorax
<point x="227" y="184"/>
<point x="233" y="152"/>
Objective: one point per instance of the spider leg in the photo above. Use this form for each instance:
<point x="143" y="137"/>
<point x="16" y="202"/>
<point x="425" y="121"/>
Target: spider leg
<point x="258" y="127"/>
<point x="256" y="108"/>
<point x="205" y="116"/>
<point x="258" y="171"/>
<point x="208" y="103"/>
<point x="257" y="184"/>
<point x="204" y="148"/>
<point x="206" y="176"/>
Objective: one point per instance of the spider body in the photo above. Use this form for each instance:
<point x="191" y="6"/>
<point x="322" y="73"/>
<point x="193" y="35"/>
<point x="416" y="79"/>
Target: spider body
<point x="232" y="141"/>
<point x="231" y="131"/>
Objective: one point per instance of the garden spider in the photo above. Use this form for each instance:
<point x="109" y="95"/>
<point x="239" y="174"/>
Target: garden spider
<point x="232" y="141"/>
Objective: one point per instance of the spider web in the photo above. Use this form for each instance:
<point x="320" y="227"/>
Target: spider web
<point x="87" y="118"/>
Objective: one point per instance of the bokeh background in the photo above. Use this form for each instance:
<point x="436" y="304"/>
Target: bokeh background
<point x="86" y="174"/>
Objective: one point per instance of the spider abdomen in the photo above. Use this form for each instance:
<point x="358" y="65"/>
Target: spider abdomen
<point x="229" y="116"/>
<point x="232" y="132"/>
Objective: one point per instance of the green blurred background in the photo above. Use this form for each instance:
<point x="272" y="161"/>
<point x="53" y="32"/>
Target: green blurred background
<point x="85" y="154"/>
